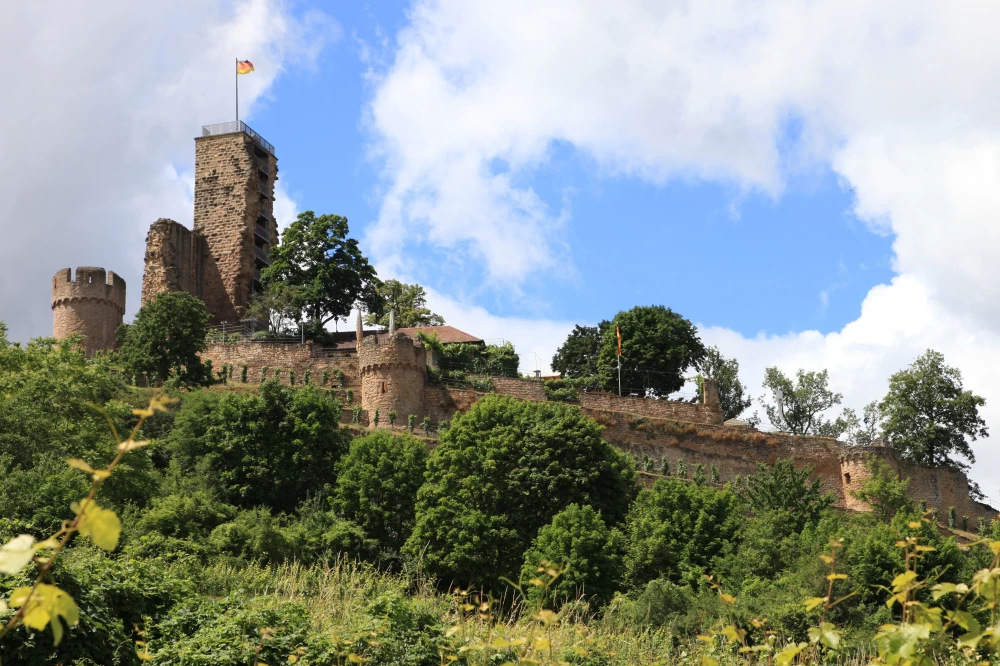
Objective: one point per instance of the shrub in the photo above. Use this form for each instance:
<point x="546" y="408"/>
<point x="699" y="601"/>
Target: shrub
<point x="392" y="418"/>
<point x="356" y="414"/>
<point x="350" y="396"/>
<point x="784" y="488"/>
<point x="268" y="449"/>
<point x="676" y="530"/>
<point x="884" y="491"/>
<point x="291" y="378"/>
<point x="503" y="469"/>
<point x="185" y="515"/>
<point x="375" y="419"/>
<point x="326" y="377"/>
<point x="377" y="484"/>
<point x="580" y="543"/>
<point x="243" y="373"/>
<point x="340" y="377"/>
<point x="426" y="425"/>
<point x="664" y="466"/>
<point x="411" y="421"/>
<point x="306" y="376"/>
<point x="263" y="374"/>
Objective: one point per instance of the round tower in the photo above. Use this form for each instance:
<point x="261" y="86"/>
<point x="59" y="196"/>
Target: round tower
<point x="93" y="305"/>
<point x="393" y="375"/>
<point x="854" y="470"/>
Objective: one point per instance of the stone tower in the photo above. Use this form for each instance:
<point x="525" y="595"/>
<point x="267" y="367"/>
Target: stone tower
<point x="393" y="375"/>
<point x="854" y="471"/>
<point x="93" y="305"/>
<point x="235" y="171"/>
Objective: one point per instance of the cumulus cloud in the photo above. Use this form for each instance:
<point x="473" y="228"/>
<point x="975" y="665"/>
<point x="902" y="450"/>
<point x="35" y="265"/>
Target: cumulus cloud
<point x="97" y="133"/>
<point x="897" y="97"/>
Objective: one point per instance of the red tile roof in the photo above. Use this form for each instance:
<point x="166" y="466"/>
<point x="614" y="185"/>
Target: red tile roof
<point x="446" y="334"/>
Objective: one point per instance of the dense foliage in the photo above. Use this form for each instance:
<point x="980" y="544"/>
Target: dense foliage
<point x="658" y="345"/>
<point x="165" y="338"/>
<point x="804" y="402"/>
<point x="502" y="471"/>
<point x="577" y="357"/>
<point x="270" y="449"/>
<point x="478" y="359"/>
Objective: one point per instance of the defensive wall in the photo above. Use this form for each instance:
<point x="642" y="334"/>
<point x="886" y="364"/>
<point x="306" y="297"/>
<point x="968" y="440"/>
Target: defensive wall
<point x="284" y="356"/>
<point x="92" y="303"/>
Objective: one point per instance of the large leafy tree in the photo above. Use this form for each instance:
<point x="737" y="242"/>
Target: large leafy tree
<point x="330" y="274"/>
<point x="377" y="483"/>
<point x="577" y="357"/>
<point x="726" y="373"/>
<point x="884" y="491"/>
<point x="658" y="345"/>
<point x="165" y="337"/>
<point x="928" y="415"/>
<point x="272" y="448"/>
<point x="804" y="402"/>
<point x="676" y="530"/>
<point x="502" y="471"/>
<point x="408" y="301"/>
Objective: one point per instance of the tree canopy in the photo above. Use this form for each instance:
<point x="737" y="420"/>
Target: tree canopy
<point x="781" y="487"/>
<point x="658" y="345"/>
<point x="805" y="401"/>
<point x="330" y="274"/>
<point x="165" y="338"/>
<point x="502" y="471"/>
<point x="408" y="301"/>
<point x="928" y="415"/>
<point x="577" y="357"/>
<point x="725" y="372"/>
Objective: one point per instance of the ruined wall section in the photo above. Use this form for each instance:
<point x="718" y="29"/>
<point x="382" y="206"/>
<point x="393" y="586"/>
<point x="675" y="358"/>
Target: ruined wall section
<point x="393" y="376"/>
<point x="234" y="190"/>
<point x="175" y="260"/>
<point x="92" y="304"/>
<point x="283" y="356"/>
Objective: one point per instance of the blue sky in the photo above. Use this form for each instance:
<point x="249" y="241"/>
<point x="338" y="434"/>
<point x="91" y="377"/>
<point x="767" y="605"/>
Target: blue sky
<point x="746" y="260"/>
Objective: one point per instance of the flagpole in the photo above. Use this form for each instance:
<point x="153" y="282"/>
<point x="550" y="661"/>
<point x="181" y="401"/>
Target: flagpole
<point x="619" y="375"/>
<point x="236" y="73"/>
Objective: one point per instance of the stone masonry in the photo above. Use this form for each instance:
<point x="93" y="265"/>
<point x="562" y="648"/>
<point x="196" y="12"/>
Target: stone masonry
<point x="176" y="260"/>
<point x="393" y="376"/>
<point x="92" y="304"/>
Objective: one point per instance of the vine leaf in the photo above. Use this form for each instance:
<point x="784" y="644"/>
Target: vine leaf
<point x="16" y="553"/>
<point x="101" y="525"/>
<point x="44" y="607"/>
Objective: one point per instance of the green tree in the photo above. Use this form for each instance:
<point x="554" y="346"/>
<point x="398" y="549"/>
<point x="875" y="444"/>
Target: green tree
<point x="279" y="304"/>
<point x="676" y="530"/>
<point x="782" y="487"/>
<point x="165" y="338"/>
<point x="502" y="471"/>
<point x="493" y="360"/>
<point x="408" y="301"/>
<point x="270" y="449"/>
<point x="578" y="541"/>
<point x="326" y="268"/>
<point x="884" y="491"/>
<point x="928" y="414"/>
<point x="658" y="345"/>
<point x="804" y="401"/>
<point x="864" y="432"/>
<point x="725" y="372"/>
<point x="577" y="357"/>
<point x="377" y="483"/>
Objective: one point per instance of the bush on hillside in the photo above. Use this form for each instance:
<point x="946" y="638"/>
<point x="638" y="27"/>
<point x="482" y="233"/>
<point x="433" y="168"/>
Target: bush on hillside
<point x="270" y="449"/>
<point x="502" y="471"/>
<point x="578" y="541"/>
<point x="165" y="338"/>
<point x="676" y="530"/>
<point x="377" y="483"/>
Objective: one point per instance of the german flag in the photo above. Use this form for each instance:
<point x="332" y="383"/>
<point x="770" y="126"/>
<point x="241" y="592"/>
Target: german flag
<point x="244" y="66"/>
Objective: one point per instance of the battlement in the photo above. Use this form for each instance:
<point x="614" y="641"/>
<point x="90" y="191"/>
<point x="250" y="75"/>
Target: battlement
<point x="91" y="283"/>
<point x="398" y="351"/>
<point x="856" y="455"/>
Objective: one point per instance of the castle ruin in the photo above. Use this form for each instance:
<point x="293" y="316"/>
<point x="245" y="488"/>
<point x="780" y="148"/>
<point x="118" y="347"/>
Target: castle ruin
<point x="92" y="304"/>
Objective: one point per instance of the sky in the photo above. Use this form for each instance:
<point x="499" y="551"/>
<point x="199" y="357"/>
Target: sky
<point x="813" y="184"/>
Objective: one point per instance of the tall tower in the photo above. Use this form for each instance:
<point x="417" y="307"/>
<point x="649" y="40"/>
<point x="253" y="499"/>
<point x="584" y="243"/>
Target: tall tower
<point x="235" y="170"/>
<point x="93" y="304"/>
<point x="393" y="375"/>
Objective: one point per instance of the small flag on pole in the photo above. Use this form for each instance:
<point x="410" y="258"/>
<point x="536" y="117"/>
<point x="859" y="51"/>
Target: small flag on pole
<point x="619" y="334"/>
<point x="244" y="66"/>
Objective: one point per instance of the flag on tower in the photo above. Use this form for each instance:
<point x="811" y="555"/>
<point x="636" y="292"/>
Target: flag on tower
<point x="619" y="334"/>
<point x="244" y="66"/>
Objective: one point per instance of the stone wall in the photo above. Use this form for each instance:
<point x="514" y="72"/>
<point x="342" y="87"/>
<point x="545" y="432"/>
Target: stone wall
<point x="175" y="260"/>
<point x="393" y="376"/>
<point x="659" y="409"/>
<point x="234" y="187"/>
<point x="92" y="304"/>
<point x="257" y="355"/>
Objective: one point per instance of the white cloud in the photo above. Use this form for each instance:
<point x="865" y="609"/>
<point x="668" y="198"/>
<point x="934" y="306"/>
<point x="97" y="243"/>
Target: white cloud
<point x="897" y="97"/>
<point x="286" y="209"/>
<point x="98" y="138"/>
